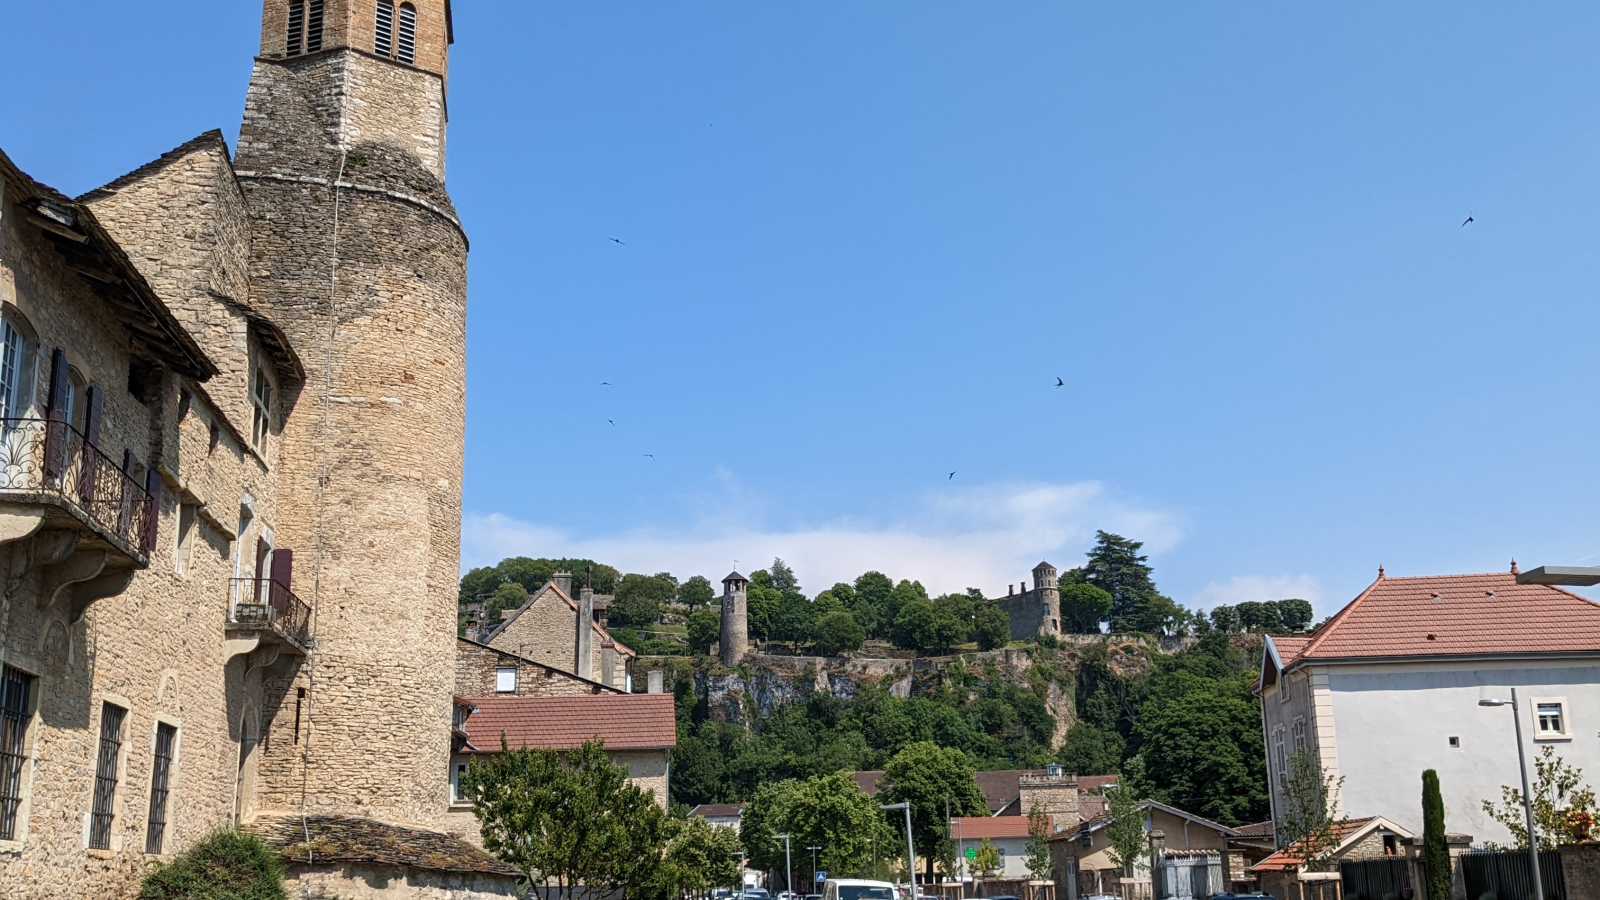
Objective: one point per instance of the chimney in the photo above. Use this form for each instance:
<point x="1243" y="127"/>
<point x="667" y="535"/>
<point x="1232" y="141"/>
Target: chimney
<point x="563" y="582"/>
<point x="656" y="682"/>
<point x="608" y="663"/>
<point x="1010" y="591"/>
<point x="602" y="606"/>
<point x="583" y="661"/>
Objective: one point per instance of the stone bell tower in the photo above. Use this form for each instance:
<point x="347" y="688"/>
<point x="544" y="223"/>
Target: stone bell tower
<point x="358" y="256"/>
<point x="735" y="638"/>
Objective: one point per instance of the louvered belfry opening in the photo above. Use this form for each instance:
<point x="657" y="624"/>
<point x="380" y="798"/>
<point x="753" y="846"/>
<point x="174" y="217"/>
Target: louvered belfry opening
<point x="383" y="37"/>
<point x="408" y="34"/>
<point x="314" y="27"/>
<point x="297" y="28"/>
<point x="105" y="776"/>
<point x="160" y="786"/>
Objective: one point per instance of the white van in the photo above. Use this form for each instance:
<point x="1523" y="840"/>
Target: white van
<point x="857" y="889"/>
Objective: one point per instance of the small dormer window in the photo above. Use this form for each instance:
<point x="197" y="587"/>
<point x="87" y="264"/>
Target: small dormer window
<point x="261" y="400"/>
<point x="383" y="34"/>
<point x="408" y="34"/>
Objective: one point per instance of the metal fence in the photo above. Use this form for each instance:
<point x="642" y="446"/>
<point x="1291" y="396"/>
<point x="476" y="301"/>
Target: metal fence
<point x="1506" y="875"/>
<point x="1375" y="879"/>
<point x="1188" y="877"/>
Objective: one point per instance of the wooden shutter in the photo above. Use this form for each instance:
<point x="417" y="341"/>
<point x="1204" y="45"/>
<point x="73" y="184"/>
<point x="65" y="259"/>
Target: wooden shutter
<point x="55" y="441"/>
<point x="282" y="566"/>
<point x="152" y="485"/>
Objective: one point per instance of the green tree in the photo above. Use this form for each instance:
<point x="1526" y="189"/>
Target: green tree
<point x="1295" y="614"/>
<point x="765" y="817"/>
<point x="952" y="617"/>
<point x="991" y="627"/>
<point x="696" y="592"/>
<point x="830" y="811"/>
<point x="1200" y="742"/>
<point x="1091" y="750"/>
<point x="1083" y="608"/>
<point x="1310" y="797"/>
<point x="915" y="626"/>
<point x="761" y="605"/>
<point x="794" y="620"/>
<point x="705" y="626"/>
<point x="905" y="592"/>
<point x="639" y="599"/>
<point x="1040" y="866"/>
<point x="1258" y="616"/>
<point x="695" y="779"/>
<point x="1435" y="853"/>
<point x="567" y="821"/>
<point x="838" y="631"/>
<point x="1558" y="789"/>
<point x="508" y="596"/>
<point x="1116" y="566"/>
<point x="987" y="858"/>
<point x="783" y="579"/>
<point x="701" y="856"/>
<point x="925" y="775"/>
<point x="1125" y="831"/>
<point x="1225" y="619"/>
<point x="871" y="603"/>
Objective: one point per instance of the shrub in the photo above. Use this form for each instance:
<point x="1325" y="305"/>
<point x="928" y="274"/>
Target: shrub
<point x="228" y="865"/>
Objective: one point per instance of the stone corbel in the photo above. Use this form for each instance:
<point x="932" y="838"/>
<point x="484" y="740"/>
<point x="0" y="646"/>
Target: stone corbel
<point x="51" y="547"/>
<point x="106" y="584"/>
<point x="17" y="523"/>
<point x="246" y="642"/>
<point x="56" y="578"/>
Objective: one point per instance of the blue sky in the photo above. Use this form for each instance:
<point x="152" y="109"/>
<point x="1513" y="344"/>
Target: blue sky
<point x="861" y="241"/>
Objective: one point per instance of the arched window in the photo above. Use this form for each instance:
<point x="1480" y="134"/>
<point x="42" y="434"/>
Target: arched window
<point x="408" y="34"/>
<point x="314" y="27"/>
<point x="297" y="28"/>
<point x="383" y="37"/>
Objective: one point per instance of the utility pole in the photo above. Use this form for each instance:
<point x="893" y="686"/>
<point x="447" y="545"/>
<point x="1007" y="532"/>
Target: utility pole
<point x="788" y="865"/>
<point x="911" y="850"/>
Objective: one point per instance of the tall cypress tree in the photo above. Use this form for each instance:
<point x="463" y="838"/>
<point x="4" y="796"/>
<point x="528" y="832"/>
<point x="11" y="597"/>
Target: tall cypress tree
<point x="1435" y="855"/>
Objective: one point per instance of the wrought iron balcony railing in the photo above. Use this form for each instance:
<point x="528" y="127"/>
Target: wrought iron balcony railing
<point x="265" y="603"/>
<point x="50" y="461"/>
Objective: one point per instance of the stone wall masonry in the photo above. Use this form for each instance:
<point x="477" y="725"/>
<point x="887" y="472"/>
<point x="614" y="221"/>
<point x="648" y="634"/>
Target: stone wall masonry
<point x="477" y="667"/>
<point x="371" y="476"/>
<point x="352" y="23"/>
<point x="157" y="648"/>
<point x="359" y="882"/>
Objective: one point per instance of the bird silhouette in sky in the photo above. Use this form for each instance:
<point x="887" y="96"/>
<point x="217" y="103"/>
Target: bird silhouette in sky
<point x="613" y="424"/>
<point x="614" y="239"/>
<point x="1468" y="221"/>
<point x="652" y="456"/>
<point x="952" y="477"/>
<point x="605" y="384"/>
<point x="1059" y="382"/>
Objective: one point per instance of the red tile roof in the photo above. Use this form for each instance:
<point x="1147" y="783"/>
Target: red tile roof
<point x="974" y="828"/>
<point x="868" y="781"/>
<point x="1450" y="615"/>
<point x="623" y="721"/>
<point x="1088" y="784"/>
<point x="1288" y="859"/>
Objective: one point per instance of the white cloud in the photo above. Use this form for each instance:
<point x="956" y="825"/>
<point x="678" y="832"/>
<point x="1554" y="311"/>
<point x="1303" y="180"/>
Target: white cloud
<point x="1240" y="588"/>
<point x="981" y="537"/>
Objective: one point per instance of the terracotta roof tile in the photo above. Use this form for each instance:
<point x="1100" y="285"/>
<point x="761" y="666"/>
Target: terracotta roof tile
<point x="1288" y="860"/>
<point x="1088" y="784"/>
<point x="868" y="782"/>
<point x="623" y="721"/>
<point x="1255" y="829"/>
<point x="973" y="828"/>
<point x="1449" y="615"/>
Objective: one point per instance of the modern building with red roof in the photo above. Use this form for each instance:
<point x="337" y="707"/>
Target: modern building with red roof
<point x="1008" y="834"/>
<point x="1390" y="686"/>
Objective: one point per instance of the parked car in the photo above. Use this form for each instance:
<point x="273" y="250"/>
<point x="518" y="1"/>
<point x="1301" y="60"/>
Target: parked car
<point x="756" y="894"/>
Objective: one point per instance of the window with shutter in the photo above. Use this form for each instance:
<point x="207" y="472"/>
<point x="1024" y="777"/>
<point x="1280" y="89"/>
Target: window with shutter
<point x="408" y="34"/>
<point x="383" y="38"/>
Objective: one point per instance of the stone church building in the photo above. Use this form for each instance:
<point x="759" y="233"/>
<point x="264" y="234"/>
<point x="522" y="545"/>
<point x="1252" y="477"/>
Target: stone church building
<point x="232" y="394"/>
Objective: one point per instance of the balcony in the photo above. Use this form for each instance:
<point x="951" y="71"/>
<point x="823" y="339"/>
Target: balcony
<point x="265" y="610"/>
<point x="62" y="481"/>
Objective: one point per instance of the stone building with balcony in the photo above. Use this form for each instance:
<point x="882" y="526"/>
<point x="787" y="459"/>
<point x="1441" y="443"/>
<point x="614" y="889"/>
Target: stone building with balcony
<point x="231" y="427"/>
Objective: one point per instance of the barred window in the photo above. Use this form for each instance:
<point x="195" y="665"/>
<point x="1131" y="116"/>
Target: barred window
<point x="314" y="27"/>
<point x="297" y="28"/>
<point x="383" y="38"/>
<point x="105" y="776"/>
<point x="160" y="781"/>
<point x="408" y="34"/>
<point x="15" y="689"/>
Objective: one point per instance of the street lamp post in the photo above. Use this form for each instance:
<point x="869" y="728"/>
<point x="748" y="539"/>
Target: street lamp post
<point x="740" y="854"/>
<point x="1527" y="798"/>
<point x="911" y="850"/>
<point x="788" y="865"/>
<point x="813" y="848"/>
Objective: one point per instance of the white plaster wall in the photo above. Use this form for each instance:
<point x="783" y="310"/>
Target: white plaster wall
<point x="1395" y="721"/>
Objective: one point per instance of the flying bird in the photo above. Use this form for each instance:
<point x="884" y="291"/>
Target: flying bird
<point x="952" y="477"/>
<point x="1468" y="221"/>
<point x="613" y="424"/>
<point x="1059" y="382"/>
<point x="652" y="456"/>
<point x="614" y="239"/>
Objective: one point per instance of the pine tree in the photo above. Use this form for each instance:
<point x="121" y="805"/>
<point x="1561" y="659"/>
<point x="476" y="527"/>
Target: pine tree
<point x="1116" y="567"/>
<point x="1435" y="856"/>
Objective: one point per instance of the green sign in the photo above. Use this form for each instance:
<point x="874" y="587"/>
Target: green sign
<point x="972" y="853"/>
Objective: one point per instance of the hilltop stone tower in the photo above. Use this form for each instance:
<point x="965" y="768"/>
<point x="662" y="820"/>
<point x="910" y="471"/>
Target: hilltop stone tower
<point x="357" y="254"/>
<point x="1034" y="612"/>
<point x="735" y="638"/>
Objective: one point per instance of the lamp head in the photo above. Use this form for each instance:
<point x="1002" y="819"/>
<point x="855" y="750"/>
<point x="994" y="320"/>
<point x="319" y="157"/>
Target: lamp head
<point x="1493" y="703"/>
